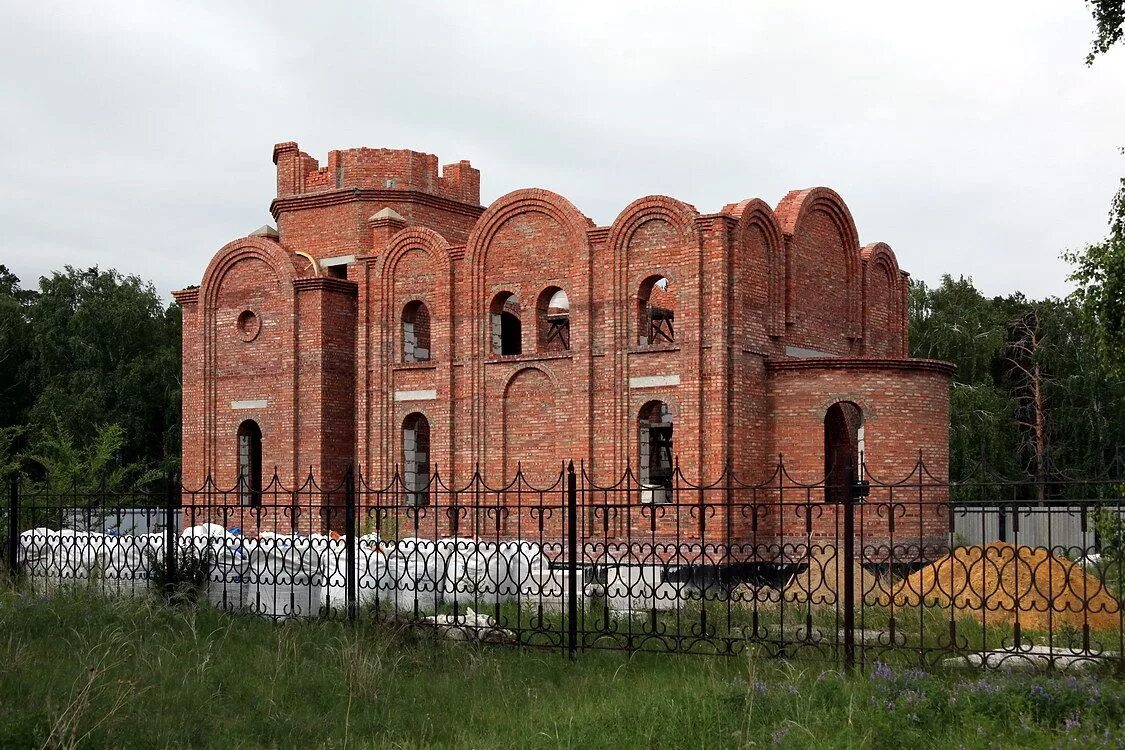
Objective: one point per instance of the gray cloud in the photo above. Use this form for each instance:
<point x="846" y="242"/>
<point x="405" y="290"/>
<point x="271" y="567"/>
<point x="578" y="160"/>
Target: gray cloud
<point x="974" y="140"/>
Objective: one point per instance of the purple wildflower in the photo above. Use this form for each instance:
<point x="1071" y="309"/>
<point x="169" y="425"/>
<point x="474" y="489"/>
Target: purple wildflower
<point x="983" y="685"/>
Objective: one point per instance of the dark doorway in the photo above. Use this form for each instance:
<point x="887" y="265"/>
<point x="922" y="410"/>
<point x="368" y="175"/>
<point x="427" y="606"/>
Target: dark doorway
<point x="655" y="459"/>
<point x="249" y="463"/>
<point x="416" y="459"/>
<point x="507" y="329"/>
<point x="842" y="423"/>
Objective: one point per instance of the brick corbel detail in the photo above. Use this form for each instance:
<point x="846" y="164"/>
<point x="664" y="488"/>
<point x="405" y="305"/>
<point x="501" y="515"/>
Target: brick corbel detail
<point x="382" y="230"/>
<point x="186" y="297"/>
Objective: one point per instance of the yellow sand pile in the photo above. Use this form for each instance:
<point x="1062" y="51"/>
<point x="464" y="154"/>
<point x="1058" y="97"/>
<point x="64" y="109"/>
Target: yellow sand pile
<point x="821" y="585"/>
<point x="994" y="582"/>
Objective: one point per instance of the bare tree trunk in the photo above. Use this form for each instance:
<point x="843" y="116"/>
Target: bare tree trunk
<point x="1024" y="358"/>
<point x="1040" y="429"/>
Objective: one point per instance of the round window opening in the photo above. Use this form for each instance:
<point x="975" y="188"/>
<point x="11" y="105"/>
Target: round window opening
<point x="248" y="325"/>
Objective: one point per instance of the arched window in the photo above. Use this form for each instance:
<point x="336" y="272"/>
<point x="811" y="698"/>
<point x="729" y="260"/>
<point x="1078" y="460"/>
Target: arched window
<point x="655" y="461"/>
<point x="843" y="434"/>
<point x="553" y="316"/>
<point x="656" y="312"/>
<point x="507" y="330"/>
<point x="416" y="459"/>
<point x="249" y="463"/>
<point x="416" y="332"/>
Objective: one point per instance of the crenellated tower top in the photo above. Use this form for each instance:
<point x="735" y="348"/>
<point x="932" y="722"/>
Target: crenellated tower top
<point x="374" y="168"/>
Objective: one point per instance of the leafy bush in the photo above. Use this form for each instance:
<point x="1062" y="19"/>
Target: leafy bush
<point x="187" y="584"/>
<point x="1110" y="526"/>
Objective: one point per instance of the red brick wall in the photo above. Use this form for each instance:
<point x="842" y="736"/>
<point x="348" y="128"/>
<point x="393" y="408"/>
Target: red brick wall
<point x="884" y="303"/>
<point x="905" y="408"/>
<point x="324" y="211"/>
<point x="385" y="168"/>
<point x="292" y="372"/>
<point x="824" y="271"/>
<point x="748" y="285"/>
<point x="533" y="429"/>
<point x="231" y="373"/>
<point x="193" y="469"/>
<point x="326" y="310"/>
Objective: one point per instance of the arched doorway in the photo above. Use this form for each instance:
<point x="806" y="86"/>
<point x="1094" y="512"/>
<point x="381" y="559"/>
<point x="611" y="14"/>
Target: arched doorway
<point x="655" y="456"/>
<point x="249" y="463"/>
<point x="843" y="426"/>
<point x="416" y="459"/>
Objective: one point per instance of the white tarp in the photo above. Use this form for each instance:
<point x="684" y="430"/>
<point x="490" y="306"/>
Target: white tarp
<point x="126" y="562"/>
<point x="301" y="576"/>
<point x="284" y="578"/>
<point x="371" y="572"/>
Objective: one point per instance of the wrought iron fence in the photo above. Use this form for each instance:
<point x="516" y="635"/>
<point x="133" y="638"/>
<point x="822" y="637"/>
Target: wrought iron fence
<point x="987" y="572"/>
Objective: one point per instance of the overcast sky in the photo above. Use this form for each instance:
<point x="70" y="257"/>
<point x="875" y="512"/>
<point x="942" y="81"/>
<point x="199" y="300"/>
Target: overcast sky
<point x="968" y="135"/>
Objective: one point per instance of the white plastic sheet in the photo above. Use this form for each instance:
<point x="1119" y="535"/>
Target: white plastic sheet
<point x="301" y="576"/>
<point x="126" y="562"/>
<point x="639" y="588"/>
<point x="228" y="585"/>
<point x="285" y="578"/>
<point x="370" y="573"/>
<point x="36" y="550"/>
<point x="414" y="578"/>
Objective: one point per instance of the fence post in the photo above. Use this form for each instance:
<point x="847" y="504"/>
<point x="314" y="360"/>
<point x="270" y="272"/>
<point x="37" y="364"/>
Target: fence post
<point x="170" y="491"/>
<point x="849" y="579"/>
<point x="350" y="541"/>
<point x="14" y="524"/>
<point x="858" y="489"/>
<point x="572" y="561"/>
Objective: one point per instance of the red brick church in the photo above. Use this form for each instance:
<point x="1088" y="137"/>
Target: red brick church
<point x="391" y="320"/>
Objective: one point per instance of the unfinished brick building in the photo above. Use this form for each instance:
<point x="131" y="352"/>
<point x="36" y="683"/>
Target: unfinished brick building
<point x="393" y="321"/>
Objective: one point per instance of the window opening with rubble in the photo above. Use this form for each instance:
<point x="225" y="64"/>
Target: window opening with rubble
<point x="553" y="313"/>
<point x="843" y="441"/>
<point x="416" y="459"/>
<point x="506" y="327"/>
<point x="656" y="312"/>
<point x="416" y="332"/>
<point x="655" y="462"/>
<point x="249" y="463"/>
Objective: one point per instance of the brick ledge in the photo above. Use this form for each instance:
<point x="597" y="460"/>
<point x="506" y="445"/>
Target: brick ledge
<point x="348" y="195"/>
<point x="860" y="363"/>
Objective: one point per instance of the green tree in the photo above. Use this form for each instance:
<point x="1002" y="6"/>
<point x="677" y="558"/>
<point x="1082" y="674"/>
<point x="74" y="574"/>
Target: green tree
<point x="15" y="339"/>
<point x="1031" y="397"/>
<point x="85" y="466"/>
<point x="106" y="352"/>
<point x="1099" y="269"/>
<point x="9" y="456"/>
<point x="1086" y="398"/>
<point x="1099" y="273"/>
<point x="1109" y="25"/>
<point x="954" y="322"/>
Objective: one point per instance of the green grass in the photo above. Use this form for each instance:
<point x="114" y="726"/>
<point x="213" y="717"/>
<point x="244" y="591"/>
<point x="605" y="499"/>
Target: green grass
<point x="76" y="670"/>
